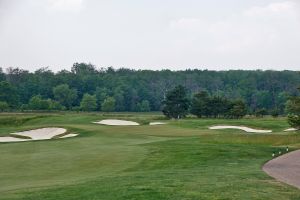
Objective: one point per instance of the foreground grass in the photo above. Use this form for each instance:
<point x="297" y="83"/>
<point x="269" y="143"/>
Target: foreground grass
<point x="182" y="160"/>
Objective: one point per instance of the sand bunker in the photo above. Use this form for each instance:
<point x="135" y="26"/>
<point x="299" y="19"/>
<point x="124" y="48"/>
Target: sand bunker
<point x="42" y="134"/>
<point x="290" y="129"/>
<point x="69" y="135"/>
<point x="12" y="139"/>
<point x="285" y="168"/>
<point x="115" y="122"/>
<point x="156" y="123"/>
<point x="38" y="134"/>
<point x="244" y="128"/>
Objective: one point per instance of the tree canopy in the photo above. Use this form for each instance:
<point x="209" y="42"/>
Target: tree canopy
<point x="293" y="110"/>
<point x="88" y="102"/>
<point x="109" y="104"/>
<point x="130" y="88"/>
<point x="176" y="103"/>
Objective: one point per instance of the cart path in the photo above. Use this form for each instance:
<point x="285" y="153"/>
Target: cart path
<point x="285" y="168"/>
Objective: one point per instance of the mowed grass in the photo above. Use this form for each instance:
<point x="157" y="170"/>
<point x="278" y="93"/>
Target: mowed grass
<point x="180" y="160"/>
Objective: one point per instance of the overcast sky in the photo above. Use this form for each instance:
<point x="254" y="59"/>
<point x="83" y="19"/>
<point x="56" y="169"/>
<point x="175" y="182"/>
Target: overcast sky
<point x="151" y="34"/>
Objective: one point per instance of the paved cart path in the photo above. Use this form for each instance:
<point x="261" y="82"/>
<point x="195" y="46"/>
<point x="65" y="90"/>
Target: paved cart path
<point x="285" y="168"/>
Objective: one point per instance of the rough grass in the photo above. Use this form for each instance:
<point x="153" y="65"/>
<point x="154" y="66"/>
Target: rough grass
<point x="181" y="160"/>
<point x="17" y="120"/>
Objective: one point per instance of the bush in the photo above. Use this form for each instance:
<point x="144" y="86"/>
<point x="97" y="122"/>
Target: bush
<point x="3" y="106"/>
<point x="108" y="105"/>
<point x="275" y="113"/>
<point x="88" y="103"/>
<point x="37" y="103"/>
<point x="144" y="106"/>
<point x="55" y="105"/>
<point x="261" y="112"/>
<point x="294" y="120"/>
<point x="293" y="109"/>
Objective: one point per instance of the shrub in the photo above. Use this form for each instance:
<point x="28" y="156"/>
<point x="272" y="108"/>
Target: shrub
<point x="3" y="106"/>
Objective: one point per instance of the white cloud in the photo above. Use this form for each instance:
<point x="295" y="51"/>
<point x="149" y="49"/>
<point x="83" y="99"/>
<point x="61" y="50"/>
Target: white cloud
<point x="257" y="29"/>
<point x="66" y="5"/>
<point x="285" y="8"/>
<point x="256" y="34"/>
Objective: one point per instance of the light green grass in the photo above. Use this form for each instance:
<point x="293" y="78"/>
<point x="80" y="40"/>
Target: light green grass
<point x="180" y="160"/>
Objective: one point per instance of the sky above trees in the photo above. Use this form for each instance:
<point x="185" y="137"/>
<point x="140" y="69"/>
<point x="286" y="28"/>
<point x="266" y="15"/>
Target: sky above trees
<point x="144" y="34"/>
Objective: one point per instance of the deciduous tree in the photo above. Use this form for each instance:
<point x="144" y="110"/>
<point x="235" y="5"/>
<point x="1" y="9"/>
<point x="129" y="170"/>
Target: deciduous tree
<point x="88" y="103"/>
<point x="65" y="95"/>
<point x="108" y="105"/>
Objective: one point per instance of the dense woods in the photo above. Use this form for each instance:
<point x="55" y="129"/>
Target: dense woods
<point x="293" y="110"/>
<point x="87" y="88"/>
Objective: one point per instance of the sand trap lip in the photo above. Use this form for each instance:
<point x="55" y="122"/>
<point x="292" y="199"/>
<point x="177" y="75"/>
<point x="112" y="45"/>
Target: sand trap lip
<point x="285" y="168"/>
<point x="37" y="134"/>
<point x="69" y="135"/>
<point x="290" y="129"/>
<point x="116" y="122"/>
<point x="244" y="128"/>
<point x="12" y="139"/>
<point x="156" y="123"/>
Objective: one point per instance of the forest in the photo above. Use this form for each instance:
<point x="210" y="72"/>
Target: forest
<point x="89" y="88"/>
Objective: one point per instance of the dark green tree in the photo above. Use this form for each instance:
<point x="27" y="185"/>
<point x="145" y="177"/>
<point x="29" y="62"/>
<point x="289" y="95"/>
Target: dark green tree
<point x="2" y="75"/>
<point x="275" y="112"/>
<point x="261" y="112"/>
<point x="144" y="106"/>
<point x="3" y="106"/>
<point x="101" y="95"/>
<point x="218" y="106"/>
<point x="55" y="105"/>
<point x="176" y="103"/>
<point x="8" y="94"/>
<point x="238" y="109"/>
<point x="119" y="97"/>
<point x="199" y="104"/>
<point x="88" y="103"/>
<point x="37" y="103"/>
<point x="65" y="95"/>
<point x="108" y="105"/>
<point x="293" y="110"/>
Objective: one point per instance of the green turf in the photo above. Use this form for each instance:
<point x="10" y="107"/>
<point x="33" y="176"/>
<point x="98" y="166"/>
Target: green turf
<point x="181" y="160"/>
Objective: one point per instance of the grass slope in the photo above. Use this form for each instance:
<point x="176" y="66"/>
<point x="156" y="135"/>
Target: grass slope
<point x="181" y="160"/>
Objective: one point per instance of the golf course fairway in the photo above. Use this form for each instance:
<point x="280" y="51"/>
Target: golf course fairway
<point x="182" y="159"/>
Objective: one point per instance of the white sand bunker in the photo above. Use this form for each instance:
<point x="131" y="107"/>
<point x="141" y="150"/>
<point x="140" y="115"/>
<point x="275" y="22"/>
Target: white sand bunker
<point x="69" y="135"/>
<point x="38" y="134"/>
<point x="115" y="122"/>
<point x="290" y="129"/>
<point x="244" y="128"/>
<point x="156" y="123"/>
<point x="12" y="139"/>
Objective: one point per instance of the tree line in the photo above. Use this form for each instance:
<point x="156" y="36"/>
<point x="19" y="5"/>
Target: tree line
<point x="293" y="110"/>
<point x="88" y="88"/>
<point x="177" y="105"/>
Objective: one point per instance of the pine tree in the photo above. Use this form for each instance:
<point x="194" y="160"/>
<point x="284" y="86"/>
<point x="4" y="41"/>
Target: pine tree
<point x="176" y="103"/>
